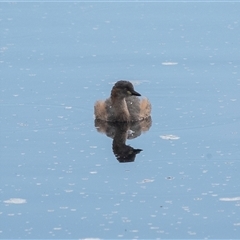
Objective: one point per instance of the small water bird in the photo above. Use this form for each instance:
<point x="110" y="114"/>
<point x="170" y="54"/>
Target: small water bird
<point x="124" y="105"/>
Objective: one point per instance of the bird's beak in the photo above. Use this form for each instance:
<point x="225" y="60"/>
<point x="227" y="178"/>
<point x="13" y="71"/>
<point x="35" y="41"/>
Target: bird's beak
<point x="135" y="93"/>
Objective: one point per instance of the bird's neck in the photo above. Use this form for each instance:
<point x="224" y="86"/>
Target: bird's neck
<point x="121" y="110"/>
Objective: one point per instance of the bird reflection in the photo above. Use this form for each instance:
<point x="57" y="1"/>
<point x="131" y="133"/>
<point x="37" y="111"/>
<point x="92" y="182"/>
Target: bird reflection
<point x="120" y="132"/>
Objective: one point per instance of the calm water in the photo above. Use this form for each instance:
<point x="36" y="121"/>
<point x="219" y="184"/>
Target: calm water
<point x="59" y="175"/>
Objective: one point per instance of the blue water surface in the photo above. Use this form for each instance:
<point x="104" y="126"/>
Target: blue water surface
<point x="59" y="176"/>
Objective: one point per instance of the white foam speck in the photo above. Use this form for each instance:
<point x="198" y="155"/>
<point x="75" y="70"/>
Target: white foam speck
<point x="230" y="199"/>
<point x="169" y="137"/>
<point x="15" y="201"/>
<point x="90" y="239"/>
<point x="57" y="228"/>
<point x="169" y="63"/>
<point x="146" y="181"/>
<point x="130" y="131"/>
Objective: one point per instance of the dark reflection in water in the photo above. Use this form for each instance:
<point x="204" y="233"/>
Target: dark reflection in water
<point x="120" y="132"/>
